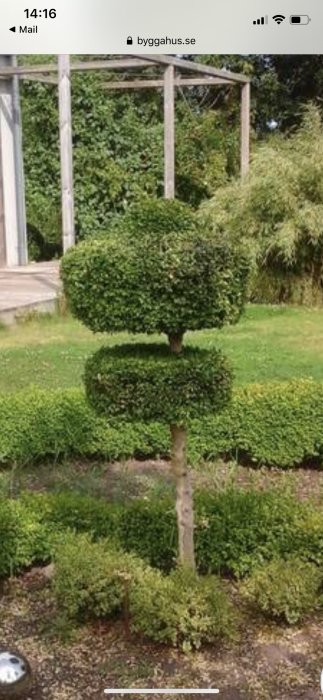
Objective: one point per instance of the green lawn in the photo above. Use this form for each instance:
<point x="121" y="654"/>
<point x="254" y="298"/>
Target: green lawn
<point x="269" y="343"/>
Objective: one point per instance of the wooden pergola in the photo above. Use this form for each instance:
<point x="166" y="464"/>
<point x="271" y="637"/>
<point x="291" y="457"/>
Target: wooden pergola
<point x="172" y="73"/>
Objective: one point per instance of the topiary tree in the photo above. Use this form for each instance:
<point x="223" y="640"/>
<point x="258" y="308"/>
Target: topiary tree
<point x="158" y="271"/>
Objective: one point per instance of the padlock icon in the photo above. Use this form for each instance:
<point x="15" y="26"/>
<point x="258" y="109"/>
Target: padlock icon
<point x="129" y="41"/>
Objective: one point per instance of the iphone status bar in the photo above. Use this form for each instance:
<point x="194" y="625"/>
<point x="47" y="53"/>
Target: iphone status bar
<point x="124" y="26"/>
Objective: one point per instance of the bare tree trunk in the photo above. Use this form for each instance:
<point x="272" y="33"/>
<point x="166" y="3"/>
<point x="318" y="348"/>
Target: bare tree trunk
<point x="176" y="343"/>
<point x="184" y="497"/>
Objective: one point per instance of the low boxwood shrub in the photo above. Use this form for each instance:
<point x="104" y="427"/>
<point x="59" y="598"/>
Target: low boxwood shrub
<point x="77" y="512"/>
<point x="182" y="608"/>
<point x="308" y="535"/>
<point x="285" y="589"/>
<point x="146" y="527"/>
<point x="277" y="424"/>
<point x="97" y="580"/>
<point x="25" y="538"/>
<point x="90" y="578"/>
<point x="149" y="529"/>
<point x="236" y="530"/>
<point x="37" y="423"/>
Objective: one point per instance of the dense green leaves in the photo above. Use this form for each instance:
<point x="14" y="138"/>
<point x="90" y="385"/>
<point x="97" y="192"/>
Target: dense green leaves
<point x="236" y="530"/>
<point x="277" y="210"/>
<point x="94" y="580"/>
<point x="90" y="577"/>
<point x="149" y="278"/>
<point x="118" y="138"/>
<point x="117" y="152"/>
<point x="278" y="424"/>
<point x="25" y="537"/>
<point x="149" y="383"/>
<point x="181" y="608"/>
<point x="155" y="218"/>
<point x="285" y="589"/>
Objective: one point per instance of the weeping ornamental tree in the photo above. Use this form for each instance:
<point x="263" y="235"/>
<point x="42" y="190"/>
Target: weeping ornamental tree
<point x="158" y="271"/>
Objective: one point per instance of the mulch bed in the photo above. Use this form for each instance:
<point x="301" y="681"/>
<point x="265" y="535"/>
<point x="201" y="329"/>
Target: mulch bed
<point x="135" y="478"/>
<point x="267" y="662"/>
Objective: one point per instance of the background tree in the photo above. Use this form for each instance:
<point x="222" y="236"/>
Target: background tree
<point x="158" y="271"/>
<point x="278" y="212"/>
<point x="281" y="86"/>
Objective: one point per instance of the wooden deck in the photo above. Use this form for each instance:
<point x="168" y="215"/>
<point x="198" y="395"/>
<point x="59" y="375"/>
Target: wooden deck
<point x="26" y="289"/>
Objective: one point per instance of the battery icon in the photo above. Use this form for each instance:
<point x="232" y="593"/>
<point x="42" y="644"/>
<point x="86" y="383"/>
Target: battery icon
<point x="299" y="19"/>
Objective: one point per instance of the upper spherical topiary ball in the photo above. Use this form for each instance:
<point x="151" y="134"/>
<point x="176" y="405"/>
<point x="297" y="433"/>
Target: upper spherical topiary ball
<point x="156" y="270"/>
<point x="144" y="382"/>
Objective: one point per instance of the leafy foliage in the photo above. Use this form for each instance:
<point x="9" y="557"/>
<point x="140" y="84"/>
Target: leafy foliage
<point x="148" y="383"/>
<point x="281" y="85"/>
<point x="236" y="531"/>
<point x="90" y="577"/>
<point x="118" y="138"/>
<point x="285" y="589"/>
<point x="118" y="152"/>
<point x="239" y="530"/>
<point x="156" y="218"/>
<point x="277" y="210"/>
<point x="151" y="279"/>
<point x="181" y="608"/>
<point x="25" y="538"/>
<point x="277" y="424"/>
<point x="95" y="580"/>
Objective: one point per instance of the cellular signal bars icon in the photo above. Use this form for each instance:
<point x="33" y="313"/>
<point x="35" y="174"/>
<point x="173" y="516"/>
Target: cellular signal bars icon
<point x="261" y="20"/>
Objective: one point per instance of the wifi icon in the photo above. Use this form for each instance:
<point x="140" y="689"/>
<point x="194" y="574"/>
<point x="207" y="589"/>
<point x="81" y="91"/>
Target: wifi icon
<point x="279" y="18"/>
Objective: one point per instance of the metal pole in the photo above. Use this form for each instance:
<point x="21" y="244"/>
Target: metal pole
<point x="66" y="150"/>
<point x="169" y="133"/>
<point x="19" y="168"/>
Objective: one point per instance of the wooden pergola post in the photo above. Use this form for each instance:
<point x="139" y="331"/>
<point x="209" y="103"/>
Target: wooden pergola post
<point x="169" y="133"/>
<point x="3" y="247"/>
<point x="245" y="129"/>
<point x="66" y="150"/>
<point x="13" y="239"/>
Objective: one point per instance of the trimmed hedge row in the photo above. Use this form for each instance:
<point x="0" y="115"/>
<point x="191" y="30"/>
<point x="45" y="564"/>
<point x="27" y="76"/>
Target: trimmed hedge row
<point x="277" y="424"/>
<point x="235" y="531"/>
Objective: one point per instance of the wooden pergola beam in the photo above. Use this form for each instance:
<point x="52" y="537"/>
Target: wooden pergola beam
<point x="47" y="79"/>
<point x="113" y="64"/>
<point x="197" y="68"/>
<point x="125" y="63"/>
<point x="158" y="83"/>
<point x="134" y="84"/>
